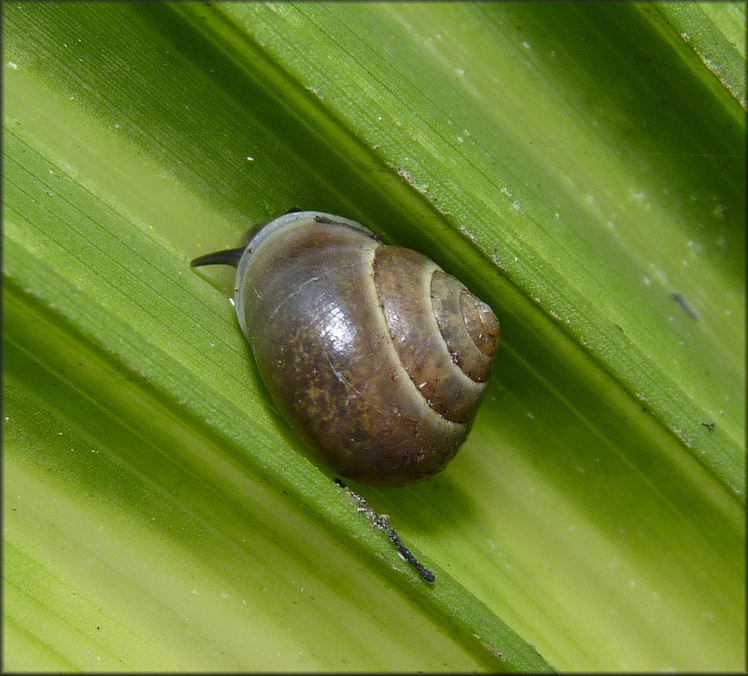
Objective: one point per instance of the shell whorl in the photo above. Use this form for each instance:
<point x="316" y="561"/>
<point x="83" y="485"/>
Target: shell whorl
<point x="425" y="315"/>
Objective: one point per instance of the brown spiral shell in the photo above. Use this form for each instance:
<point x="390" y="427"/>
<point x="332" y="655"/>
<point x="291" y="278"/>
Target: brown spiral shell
<point x="376" y="357"/>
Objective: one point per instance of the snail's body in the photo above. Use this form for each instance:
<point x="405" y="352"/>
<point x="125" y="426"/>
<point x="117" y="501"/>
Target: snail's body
<point x="349" y="338"/>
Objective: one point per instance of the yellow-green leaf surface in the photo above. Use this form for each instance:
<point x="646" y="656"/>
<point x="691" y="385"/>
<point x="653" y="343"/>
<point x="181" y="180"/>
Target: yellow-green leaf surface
<point x="581" y="167"/>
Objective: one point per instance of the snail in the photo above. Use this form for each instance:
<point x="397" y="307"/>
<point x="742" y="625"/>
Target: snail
<point x="374" y="355"/>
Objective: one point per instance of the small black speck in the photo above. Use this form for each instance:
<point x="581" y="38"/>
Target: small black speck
<point x="325" y="220"/>
<point x="684" y="305"/>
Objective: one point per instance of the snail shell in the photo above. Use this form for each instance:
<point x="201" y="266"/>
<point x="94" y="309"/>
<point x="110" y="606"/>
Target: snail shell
<point x="376" y="357"/>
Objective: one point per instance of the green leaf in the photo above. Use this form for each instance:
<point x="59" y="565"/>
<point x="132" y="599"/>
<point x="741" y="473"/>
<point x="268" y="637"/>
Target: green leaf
<point x="715" y="33"/>
<point x="579" y="167"/>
